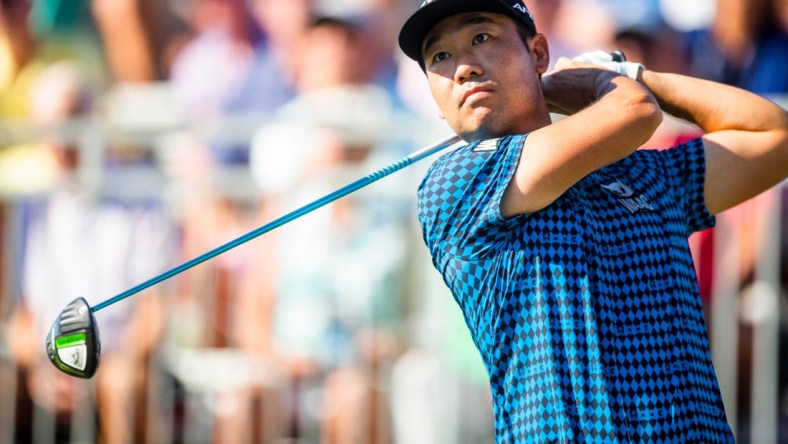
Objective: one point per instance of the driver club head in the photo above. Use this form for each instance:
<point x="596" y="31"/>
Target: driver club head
<point x="73" y="341"/>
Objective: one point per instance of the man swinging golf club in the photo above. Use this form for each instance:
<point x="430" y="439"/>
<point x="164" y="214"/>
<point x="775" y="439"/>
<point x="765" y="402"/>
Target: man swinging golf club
<point x="566" y="248"/>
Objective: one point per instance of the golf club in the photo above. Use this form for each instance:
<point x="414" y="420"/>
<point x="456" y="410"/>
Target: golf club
<point x="73" y="341"/>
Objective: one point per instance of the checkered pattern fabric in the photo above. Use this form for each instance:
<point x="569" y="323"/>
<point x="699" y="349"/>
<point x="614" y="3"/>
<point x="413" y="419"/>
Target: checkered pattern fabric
<point x="586" y="313"/>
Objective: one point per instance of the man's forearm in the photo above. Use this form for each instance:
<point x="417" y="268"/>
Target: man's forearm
<point x="713" y="106"/>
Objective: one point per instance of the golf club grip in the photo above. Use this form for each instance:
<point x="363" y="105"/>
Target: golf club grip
<point x="308" y="208"/>
<point x="618" y="56"/>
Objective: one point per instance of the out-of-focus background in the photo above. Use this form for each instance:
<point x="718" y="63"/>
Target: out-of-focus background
<point x="138" y="134"/>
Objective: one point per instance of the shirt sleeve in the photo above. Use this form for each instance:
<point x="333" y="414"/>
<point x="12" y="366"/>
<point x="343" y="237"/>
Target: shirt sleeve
<point x="685" y="166"/>
<point x="460" y="198"/>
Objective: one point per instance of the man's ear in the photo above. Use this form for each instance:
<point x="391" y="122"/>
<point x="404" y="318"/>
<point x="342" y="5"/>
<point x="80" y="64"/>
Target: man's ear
<point x="540" y="52"/>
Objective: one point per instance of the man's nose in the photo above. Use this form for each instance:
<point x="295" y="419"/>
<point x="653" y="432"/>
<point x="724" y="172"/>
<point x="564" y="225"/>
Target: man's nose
<point x="468" y="68"/>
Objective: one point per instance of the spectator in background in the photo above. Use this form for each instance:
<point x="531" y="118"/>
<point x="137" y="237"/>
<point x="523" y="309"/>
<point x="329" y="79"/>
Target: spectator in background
<point x="26" y="48"/>
<point x="746" y="46"/>
<point x="208" y="72"/>
<point x="254" y="48"/>
<point x="283" y="23"/>
<point x="652" y="42"/>
<point x="29" y="43"/>
<point x="379" y="21"/>
<point x="240" y="61"/>
<point x="238" y="69"/>
<point x="336" y="294"/>
<point x="139" y="37"/>
<point x="334" y="90"/>
<point x="77" y="246"/>
<point x="17" y="54"/>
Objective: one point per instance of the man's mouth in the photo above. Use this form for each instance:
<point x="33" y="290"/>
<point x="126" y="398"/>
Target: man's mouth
<point x="475" y="92"/>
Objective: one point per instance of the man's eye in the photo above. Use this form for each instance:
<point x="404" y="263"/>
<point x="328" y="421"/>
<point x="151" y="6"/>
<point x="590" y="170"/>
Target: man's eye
<point x="480" y="38"/>
<point x="440" y="56"/>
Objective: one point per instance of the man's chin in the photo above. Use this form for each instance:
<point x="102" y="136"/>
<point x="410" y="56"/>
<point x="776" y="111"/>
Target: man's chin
<point x="482" y="126"/>
<point x="481" y="133"/>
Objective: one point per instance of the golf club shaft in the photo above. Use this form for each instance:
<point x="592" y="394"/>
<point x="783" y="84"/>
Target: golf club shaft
<point x="344" y="191"/>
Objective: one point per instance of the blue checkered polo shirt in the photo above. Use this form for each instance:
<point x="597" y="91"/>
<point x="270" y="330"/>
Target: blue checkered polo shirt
<point x="586" y="313"/>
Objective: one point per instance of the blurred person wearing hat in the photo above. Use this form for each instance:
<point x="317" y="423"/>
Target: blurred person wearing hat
<point x="564" y="245"/>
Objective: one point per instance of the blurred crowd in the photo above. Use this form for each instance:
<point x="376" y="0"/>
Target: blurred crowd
<point x="137" y="134"/>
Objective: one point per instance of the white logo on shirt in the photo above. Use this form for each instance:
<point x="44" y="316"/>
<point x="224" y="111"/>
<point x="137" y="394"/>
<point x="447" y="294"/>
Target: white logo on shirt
<point x="619" y="189"/>
<point x="626" y="196"/>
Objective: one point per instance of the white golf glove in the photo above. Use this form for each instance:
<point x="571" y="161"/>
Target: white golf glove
<point x="605" y="60"/>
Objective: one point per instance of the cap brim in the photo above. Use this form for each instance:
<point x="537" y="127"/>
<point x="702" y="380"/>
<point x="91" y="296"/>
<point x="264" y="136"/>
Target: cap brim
<point x="412" y="34"/>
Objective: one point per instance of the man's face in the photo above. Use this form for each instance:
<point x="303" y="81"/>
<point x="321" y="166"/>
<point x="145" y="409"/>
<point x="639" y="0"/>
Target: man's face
<point x="483" y="77"/>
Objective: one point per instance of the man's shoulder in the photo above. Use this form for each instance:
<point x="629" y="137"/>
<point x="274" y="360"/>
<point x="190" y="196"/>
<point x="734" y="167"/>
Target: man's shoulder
<point x="469" y="157"/>
<point x="459" y="198"/>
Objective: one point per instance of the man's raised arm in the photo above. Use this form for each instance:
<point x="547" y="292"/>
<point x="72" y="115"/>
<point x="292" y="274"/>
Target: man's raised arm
<point x="746" y="140"/>
<point x="609" y="117"/>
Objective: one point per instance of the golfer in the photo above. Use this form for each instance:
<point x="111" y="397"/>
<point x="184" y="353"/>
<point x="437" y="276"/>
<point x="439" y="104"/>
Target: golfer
<point x="565" y="247"/>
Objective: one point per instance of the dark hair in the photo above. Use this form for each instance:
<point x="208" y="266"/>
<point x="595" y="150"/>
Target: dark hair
<point x="523" y="31"/>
